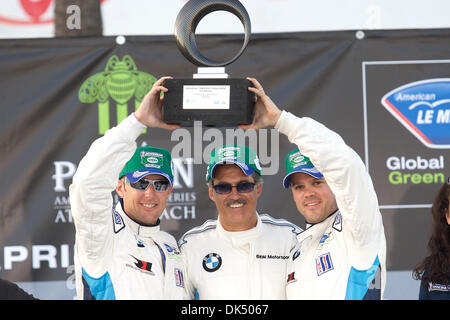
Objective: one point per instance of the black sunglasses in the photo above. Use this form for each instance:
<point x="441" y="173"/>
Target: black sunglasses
<point x="143" y="184"/>
<point x="241" y="187"/>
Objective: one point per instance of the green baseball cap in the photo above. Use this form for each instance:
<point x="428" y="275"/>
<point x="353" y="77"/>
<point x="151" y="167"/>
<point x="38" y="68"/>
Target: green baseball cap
<point x="148" y="160"/>
<point x="296" y="162"/>
<point x="242" y="156"/>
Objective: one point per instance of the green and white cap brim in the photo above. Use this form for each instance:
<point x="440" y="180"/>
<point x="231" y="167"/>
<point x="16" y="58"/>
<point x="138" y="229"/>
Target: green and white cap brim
<point x="245" y="168"/>
<point x="312" y="171"/>
<point x="135" y="176"/>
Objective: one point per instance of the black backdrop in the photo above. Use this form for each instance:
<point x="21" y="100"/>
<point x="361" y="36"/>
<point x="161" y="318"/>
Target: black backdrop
<point x="337" y="78"/>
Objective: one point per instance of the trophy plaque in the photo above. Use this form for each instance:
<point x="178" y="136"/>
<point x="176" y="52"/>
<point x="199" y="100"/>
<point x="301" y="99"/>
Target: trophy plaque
<point x="210" y="95"/>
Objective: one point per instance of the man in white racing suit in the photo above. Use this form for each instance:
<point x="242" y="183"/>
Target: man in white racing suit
<point x="342" y="253"/>
<point x="242" y="254"/>
<point x="121" y="253"/>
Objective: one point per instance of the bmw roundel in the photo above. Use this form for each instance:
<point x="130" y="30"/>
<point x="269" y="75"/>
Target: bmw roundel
<point x="212" y="262"/>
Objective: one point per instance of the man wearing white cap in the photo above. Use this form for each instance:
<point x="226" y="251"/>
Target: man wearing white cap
<point x="242" y="254"/>
<point x="342" y="253"/>
<point x="121" y="253"/>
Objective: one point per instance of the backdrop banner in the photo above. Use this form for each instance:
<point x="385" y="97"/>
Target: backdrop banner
<point x="387" y="93"/>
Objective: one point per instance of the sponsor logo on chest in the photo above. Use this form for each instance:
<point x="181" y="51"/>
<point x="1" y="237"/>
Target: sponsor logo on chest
<point x="141" y="265"/>
<point x="212" y="262"/>
<point x="324" y="264"/>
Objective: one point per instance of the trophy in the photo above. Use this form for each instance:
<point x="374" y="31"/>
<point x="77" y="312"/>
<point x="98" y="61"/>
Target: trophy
<point x="210" y="96"/>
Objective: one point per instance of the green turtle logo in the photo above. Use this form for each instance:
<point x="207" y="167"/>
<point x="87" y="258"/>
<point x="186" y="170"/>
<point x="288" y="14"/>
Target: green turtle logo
<point x="121" y="81"/>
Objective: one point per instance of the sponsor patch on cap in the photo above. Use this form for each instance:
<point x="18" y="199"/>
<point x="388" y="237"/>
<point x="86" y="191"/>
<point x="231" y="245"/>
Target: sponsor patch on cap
<point x="242" y="156"/>
<point x="148" y="160"/>
<point x="295" y="161"/>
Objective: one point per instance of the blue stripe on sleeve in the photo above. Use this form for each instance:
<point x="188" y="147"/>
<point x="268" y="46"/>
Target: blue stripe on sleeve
<point x="98" y="288"/>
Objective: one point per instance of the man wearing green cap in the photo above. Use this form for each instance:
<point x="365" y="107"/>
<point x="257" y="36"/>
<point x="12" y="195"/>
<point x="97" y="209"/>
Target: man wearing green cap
<point x="241" y="255"/>
<point x="121" y="253"/>
<point x="342" y="252"/>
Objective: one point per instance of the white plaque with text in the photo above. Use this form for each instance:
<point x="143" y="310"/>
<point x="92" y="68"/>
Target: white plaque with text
<point x="206" y="97"/>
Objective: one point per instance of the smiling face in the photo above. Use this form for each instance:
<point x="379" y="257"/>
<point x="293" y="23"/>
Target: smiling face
<point x="237" y="211"/>
<point x="144" y="207"/>
<point x="313" y="197"/>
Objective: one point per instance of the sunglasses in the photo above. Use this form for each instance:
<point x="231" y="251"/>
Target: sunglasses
<point x="143" y="184"/>
<point x="241" y="187"/>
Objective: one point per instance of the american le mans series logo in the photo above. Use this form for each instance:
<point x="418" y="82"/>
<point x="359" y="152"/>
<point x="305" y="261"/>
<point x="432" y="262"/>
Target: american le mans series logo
<point x="423" y="107"/>
<point x="121" y="80"/>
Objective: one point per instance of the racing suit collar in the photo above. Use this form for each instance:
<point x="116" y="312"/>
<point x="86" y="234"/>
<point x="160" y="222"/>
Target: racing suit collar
<point x="309" y="225"/>
<point x="240" y="238"/>
<point x="138" y="229"/>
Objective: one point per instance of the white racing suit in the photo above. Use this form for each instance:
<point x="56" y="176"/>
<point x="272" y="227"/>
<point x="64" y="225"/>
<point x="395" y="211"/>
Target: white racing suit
<point x="344" y="256"/>
<point x="115" y="257"/>
<point x="246" y="265"/>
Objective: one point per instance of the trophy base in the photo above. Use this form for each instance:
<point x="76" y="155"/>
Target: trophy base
<point x="215" y="102"/>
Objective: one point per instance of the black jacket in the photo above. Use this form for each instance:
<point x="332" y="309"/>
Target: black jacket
<point x="11" y="291"/>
